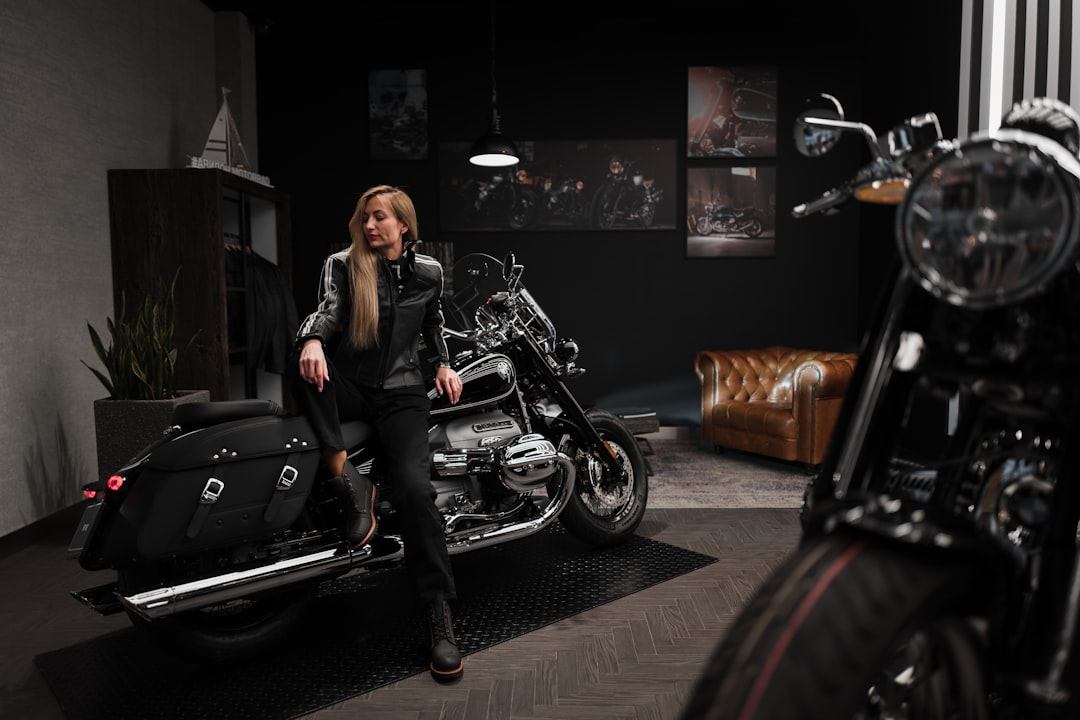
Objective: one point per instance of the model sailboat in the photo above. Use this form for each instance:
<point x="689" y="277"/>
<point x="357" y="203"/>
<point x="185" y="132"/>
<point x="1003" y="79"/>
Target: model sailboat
<point x="223" y="149"/>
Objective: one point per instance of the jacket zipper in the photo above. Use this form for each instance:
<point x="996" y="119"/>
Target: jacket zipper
<point x="384" y="354"/>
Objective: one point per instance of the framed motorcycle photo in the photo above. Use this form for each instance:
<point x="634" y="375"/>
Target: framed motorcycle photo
<point x="731" y="112"/>
<point x="731" y="211"/>
<point x="560" y="186"/>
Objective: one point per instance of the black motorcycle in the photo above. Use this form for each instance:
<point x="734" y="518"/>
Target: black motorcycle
<point x="219" y="534"/>
<point x="728" y="220"/>
<point x="504" y="199"/>
<point x="625" y="194"/>
<point x="938" y="574"/>
<point x="564" y="199"/>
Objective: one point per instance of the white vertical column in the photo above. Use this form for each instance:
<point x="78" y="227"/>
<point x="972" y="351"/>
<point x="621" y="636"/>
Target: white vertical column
<point x="1074" y="75"/>
<point x="965" y="66"/>
<point x="1053" y="47"/>
<point x="1031" y="28"/>
<point x="993" y="59"/>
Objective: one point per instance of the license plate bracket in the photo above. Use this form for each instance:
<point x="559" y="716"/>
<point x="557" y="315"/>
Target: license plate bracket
<point x="85" y="530"/>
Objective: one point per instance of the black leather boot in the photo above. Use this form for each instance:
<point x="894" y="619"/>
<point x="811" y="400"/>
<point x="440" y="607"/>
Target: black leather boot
<point x="446" y="662"/>
<point x="358" y="493"/>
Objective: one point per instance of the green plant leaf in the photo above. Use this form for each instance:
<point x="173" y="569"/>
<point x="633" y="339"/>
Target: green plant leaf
<point x="141" y="358"/>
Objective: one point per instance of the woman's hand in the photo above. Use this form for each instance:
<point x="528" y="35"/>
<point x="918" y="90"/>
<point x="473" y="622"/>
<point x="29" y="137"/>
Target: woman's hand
<point x="448" y="384"/>
<point x="313" y="364"/>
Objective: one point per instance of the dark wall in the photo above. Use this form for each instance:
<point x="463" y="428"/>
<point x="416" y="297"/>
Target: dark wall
<point x="638" y="307"/>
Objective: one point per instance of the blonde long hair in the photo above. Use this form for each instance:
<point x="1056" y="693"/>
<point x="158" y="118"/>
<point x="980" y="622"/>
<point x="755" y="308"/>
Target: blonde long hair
<point x="364" y="263"/>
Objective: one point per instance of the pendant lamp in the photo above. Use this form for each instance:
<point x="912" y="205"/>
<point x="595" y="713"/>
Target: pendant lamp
<point x="493" y="149"/>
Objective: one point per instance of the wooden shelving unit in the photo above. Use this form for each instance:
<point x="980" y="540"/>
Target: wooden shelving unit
<point x="192" y="219"/>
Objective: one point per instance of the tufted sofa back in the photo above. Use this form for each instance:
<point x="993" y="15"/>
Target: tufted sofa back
<point x="778" y="400"/>
<point x="767" y="374"/>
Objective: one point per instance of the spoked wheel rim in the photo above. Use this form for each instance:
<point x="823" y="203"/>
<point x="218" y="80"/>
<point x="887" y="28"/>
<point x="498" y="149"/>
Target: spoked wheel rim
<point x="935" y="673"/>
<point x="648" y="214"/>
<point x="601" y="495"/>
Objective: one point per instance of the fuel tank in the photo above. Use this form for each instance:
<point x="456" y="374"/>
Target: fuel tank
<point x="485" y="380"/>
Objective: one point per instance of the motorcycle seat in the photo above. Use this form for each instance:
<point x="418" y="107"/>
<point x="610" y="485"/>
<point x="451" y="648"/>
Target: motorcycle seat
<point x="192" y="416"/>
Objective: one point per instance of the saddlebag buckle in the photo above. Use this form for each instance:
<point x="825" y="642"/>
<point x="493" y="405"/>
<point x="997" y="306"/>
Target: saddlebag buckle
<point x="210" y="493"/>
<point x="285" y="481"/>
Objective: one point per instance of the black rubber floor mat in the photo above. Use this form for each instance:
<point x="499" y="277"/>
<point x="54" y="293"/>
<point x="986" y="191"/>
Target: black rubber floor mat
<point x="366" y="631"/>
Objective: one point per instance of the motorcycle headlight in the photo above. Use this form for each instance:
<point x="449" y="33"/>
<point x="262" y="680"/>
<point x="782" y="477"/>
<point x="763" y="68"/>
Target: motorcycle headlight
<point x="566" y="350"/>
<point x="993" y="220"/>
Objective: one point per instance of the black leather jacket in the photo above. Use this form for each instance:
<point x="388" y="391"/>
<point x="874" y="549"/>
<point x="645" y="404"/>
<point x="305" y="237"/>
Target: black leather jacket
<point x="405" y="314"/>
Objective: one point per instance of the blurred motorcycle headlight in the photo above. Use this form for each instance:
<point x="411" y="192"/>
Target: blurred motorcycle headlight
<point x="993" y="221"/>
<point x="566" y="350"/>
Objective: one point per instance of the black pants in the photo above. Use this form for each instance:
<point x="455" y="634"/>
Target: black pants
<point x="400" y="417"/>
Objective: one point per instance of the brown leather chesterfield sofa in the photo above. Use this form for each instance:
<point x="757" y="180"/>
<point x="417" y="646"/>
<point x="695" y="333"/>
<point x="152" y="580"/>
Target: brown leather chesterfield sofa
<point x="777" y="401"/>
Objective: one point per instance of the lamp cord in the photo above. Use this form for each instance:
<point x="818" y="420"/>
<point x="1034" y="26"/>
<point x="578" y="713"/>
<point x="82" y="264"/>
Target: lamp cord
<point x="494" y="108"/>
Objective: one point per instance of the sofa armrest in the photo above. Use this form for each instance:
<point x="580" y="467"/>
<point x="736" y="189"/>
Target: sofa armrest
<point x="821" y="378"/>
<point x="712" y="367"/>
<point x="818" y="391"/>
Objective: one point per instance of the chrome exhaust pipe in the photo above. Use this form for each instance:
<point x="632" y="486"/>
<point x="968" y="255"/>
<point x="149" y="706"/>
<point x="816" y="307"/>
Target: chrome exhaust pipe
<point x="482" y="537"/>
<point x="323" y="564"/>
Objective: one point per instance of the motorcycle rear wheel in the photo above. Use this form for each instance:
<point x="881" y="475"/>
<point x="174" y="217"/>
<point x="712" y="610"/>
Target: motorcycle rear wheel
<point x="753" y="228"/>
<point x="603" y="512"/>
<point x="231" y="632"/>
<point x="850" y="627"/>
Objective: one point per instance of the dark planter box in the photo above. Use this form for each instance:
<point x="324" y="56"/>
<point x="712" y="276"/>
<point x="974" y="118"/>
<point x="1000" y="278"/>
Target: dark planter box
<point x="124" y="427"/>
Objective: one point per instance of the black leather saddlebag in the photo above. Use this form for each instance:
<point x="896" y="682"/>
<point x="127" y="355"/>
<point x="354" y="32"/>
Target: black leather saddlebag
<point x="223" y="484"/>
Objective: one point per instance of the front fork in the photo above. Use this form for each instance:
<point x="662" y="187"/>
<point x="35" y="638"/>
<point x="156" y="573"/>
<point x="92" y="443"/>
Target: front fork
<point x="575" y="413"/>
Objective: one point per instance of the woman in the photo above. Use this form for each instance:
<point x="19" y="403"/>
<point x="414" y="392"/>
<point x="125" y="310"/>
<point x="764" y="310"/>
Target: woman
<point x="382" y="298"/>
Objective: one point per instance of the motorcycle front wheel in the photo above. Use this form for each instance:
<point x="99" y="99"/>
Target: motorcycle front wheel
<point x="603" y="208"/>
<point x="604" y="510"/>
<point x="704" y="227"/>
<point x="523" y="210"/>
<point x="853" y="627"/>
<point x="647" y="213"/>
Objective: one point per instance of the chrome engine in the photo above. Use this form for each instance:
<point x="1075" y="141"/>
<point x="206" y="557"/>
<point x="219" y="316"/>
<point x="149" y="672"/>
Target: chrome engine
<point x="489" y="467"/>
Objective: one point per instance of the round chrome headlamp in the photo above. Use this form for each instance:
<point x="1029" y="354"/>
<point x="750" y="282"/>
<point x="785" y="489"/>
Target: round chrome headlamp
<point x="566" y="350"/>
<point x="992" y="221"/>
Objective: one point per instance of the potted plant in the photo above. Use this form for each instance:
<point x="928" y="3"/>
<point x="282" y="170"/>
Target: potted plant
<point x="140" y="376"/>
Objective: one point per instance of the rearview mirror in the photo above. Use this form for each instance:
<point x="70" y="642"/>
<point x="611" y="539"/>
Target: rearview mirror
<point x="813" y="136"/>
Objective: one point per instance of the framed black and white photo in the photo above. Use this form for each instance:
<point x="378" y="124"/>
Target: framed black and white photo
<point x="397" y="111"/>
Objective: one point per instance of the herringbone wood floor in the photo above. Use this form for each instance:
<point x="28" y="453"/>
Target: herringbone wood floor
<point x="634" y="658"/>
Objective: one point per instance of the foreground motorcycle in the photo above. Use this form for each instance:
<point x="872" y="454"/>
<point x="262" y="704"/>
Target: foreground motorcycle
<point x="728" y="220"/>
<point x="220" y="532"/>
<point x="938" y="574"/>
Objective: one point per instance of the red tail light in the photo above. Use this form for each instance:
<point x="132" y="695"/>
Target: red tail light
<point x="95" y="489"/>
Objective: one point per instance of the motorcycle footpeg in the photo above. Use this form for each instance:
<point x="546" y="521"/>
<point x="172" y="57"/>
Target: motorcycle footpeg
<point x="102" y="599"/>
